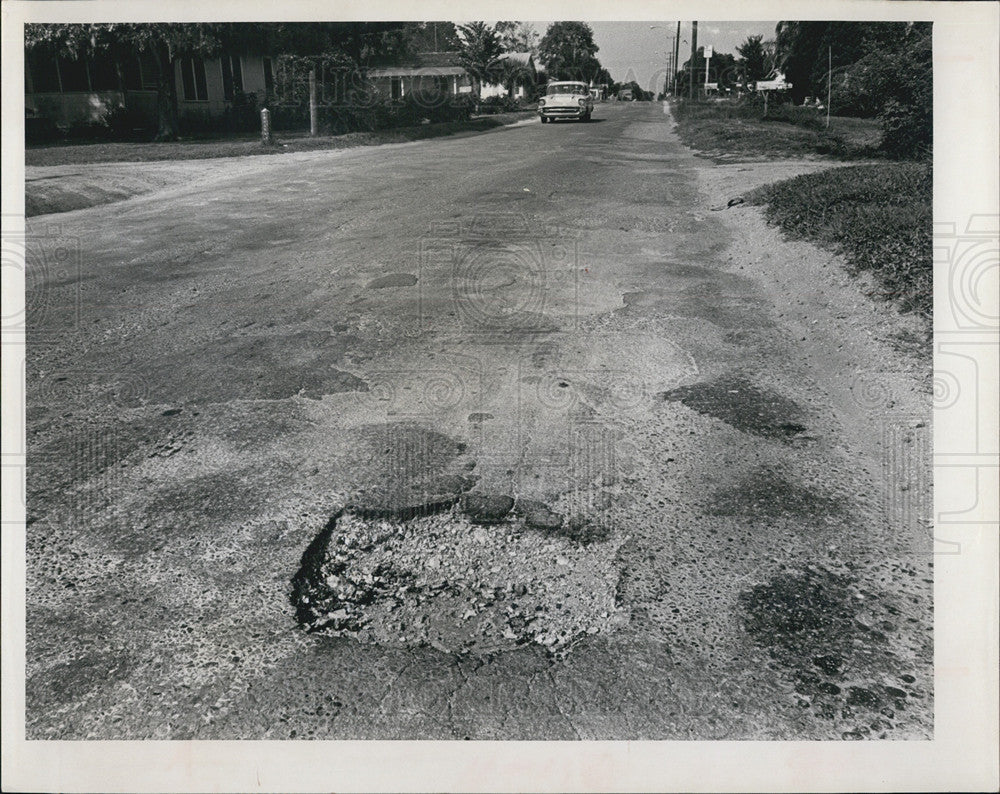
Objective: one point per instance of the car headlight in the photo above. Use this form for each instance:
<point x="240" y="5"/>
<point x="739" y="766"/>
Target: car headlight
<point x="582" y="102"/>
<point x="541" y="102"/>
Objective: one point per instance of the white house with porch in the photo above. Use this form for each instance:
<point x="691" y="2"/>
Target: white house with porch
<point x="426" y="74"/>
<point x="519" y="71"/>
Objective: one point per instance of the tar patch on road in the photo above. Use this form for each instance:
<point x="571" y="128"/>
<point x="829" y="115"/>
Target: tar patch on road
<point x="393" y="280"/>
<point x="743" y="405"/>
<point x="833" y="641"/>
<point x="767" y="494"/>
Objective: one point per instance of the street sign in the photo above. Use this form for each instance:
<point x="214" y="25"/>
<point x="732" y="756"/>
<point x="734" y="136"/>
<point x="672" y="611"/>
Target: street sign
<point x="708" y="52"/>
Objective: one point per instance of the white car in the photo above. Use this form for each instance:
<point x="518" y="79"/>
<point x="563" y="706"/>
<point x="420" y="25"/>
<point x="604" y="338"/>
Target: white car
<point x="566" y="100"/>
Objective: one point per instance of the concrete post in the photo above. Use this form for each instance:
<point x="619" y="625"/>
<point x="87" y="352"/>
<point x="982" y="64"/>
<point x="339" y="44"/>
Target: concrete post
<point x="265" y="127"/>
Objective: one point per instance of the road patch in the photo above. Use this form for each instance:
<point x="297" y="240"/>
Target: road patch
<point x="745" y="406"/>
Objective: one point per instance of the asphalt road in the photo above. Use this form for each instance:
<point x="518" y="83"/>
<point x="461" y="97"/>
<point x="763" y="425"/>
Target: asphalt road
<point x="254" y="400"/>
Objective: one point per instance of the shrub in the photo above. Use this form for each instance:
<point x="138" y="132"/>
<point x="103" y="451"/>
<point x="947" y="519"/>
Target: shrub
<point x="242" y="115"/>
<point x="499" y="104"/>
<point x="40" y="129"/>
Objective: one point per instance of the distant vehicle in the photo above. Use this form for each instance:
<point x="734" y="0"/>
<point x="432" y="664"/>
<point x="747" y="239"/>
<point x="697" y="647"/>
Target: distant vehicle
<point x="566" y="100"/>
<point x="776" y="82"/>
<point x="625" y="95"/>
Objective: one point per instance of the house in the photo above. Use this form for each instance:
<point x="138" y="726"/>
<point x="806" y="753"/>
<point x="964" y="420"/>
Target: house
<point x="599" y="91"/>
<point x="516" y="71"/>
<point x="426" y="75"/>
<point x="431" y="74"/>
<point x="79" y="92"/>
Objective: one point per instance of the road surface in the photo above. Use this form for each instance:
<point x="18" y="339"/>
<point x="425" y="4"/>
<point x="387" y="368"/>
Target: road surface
<point x="500" y="436"/>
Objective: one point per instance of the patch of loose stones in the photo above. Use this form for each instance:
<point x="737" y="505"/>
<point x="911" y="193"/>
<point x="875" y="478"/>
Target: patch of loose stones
<point x="484" y="577"/>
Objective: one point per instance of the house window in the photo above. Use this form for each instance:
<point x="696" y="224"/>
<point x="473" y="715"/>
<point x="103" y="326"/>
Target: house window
<point x="73" y="74"/>
<point x="268" y="77"/>
<point x="232" y="76"/>
<point x="44" y="72"/>
<point x="103" y="73"/>
<point x="150" y="71"/>
<point x="193" y="78"/>
<point x="132" y="73"/>
<point x="397" y="87"/>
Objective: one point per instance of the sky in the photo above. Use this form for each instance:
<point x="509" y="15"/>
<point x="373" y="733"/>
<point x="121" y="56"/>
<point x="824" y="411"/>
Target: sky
<point x="637" y="47"/>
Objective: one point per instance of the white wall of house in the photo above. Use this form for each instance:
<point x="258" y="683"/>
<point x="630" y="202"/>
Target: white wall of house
<point x="491" y="89"/>
<point x="400" y="83"/>
<point x="215" y="102"/>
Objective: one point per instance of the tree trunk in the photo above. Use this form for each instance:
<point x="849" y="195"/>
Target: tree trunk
<point x="166" y="98"/>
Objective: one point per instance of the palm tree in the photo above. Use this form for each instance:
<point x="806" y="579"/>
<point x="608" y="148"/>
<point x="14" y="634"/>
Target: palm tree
<point x="480" y="53"/>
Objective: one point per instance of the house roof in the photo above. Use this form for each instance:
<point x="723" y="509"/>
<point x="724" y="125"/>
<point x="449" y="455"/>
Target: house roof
<point x="522" y="58"/>
<point x="443" y="63"/>
<point x="409" y="71"/>
<point x="424" y="64"/>
<point x="436" y="59"/>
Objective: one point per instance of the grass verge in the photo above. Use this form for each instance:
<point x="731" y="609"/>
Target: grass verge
<point x="878" y="216"/>
<point x="242" y="146"/>
<point x="726" y="131"/>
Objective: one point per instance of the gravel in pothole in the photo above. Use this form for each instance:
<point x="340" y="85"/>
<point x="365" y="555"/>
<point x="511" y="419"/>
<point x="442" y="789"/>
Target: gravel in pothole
<point x="445" y="582"/>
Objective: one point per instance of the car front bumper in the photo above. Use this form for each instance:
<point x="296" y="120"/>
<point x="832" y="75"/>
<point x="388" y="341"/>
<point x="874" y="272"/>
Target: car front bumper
<point x="567" y="112"/>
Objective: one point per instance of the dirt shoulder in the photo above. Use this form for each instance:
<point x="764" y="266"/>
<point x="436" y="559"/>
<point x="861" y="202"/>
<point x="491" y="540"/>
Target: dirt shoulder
<point x="866" y="338"/>
<point x="67" y="178"/>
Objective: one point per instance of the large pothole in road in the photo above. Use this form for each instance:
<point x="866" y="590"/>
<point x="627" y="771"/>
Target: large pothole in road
<point x="445" y="582"/>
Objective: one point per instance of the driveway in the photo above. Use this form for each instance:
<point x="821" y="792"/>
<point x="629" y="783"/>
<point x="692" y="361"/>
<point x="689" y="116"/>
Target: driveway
<point x="503" y="436"/>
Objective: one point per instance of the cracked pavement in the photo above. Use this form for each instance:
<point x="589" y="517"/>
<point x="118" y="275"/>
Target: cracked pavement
<point x="552" y="314"/>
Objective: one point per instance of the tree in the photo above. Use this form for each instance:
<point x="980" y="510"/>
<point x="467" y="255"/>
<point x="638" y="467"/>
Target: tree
<point x="881" y="69"/>
<point x="517" y="36"/>
<point x="479" y="53"/>
<point x="723" y="70"/>
<point x="568" y="51"/>
<point x="433" y="37"/>
<point x="803" y="50"/>
<point x="754" y="58"/>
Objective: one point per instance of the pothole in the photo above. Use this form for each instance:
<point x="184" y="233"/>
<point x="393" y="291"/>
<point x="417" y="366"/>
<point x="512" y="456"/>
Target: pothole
<point x="743" y="405"/>
<point x="461" y="587"/>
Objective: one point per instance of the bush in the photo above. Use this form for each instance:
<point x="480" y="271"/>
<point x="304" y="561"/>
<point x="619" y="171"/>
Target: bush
<point x="499" y="104"/>
<point x="808" y="117"/>
<point x="242" y="115"/>
<point x="371" y="113"/>
<point x="40" y="129"/>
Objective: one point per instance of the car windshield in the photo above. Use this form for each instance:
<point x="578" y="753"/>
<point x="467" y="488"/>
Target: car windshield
<point x="570" y="88"/>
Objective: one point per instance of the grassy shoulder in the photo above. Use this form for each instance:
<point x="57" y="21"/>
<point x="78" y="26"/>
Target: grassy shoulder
<point x="878" y="216"/>
<point x="250" y="145"/>
<point x="727" y="131"/>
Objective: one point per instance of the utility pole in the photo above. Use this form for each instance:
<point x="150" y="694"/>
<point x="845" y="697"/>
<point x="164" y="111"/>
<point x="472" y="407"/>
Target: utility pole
<point x="677" y="55"/>
<point x="694" y="51"/>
